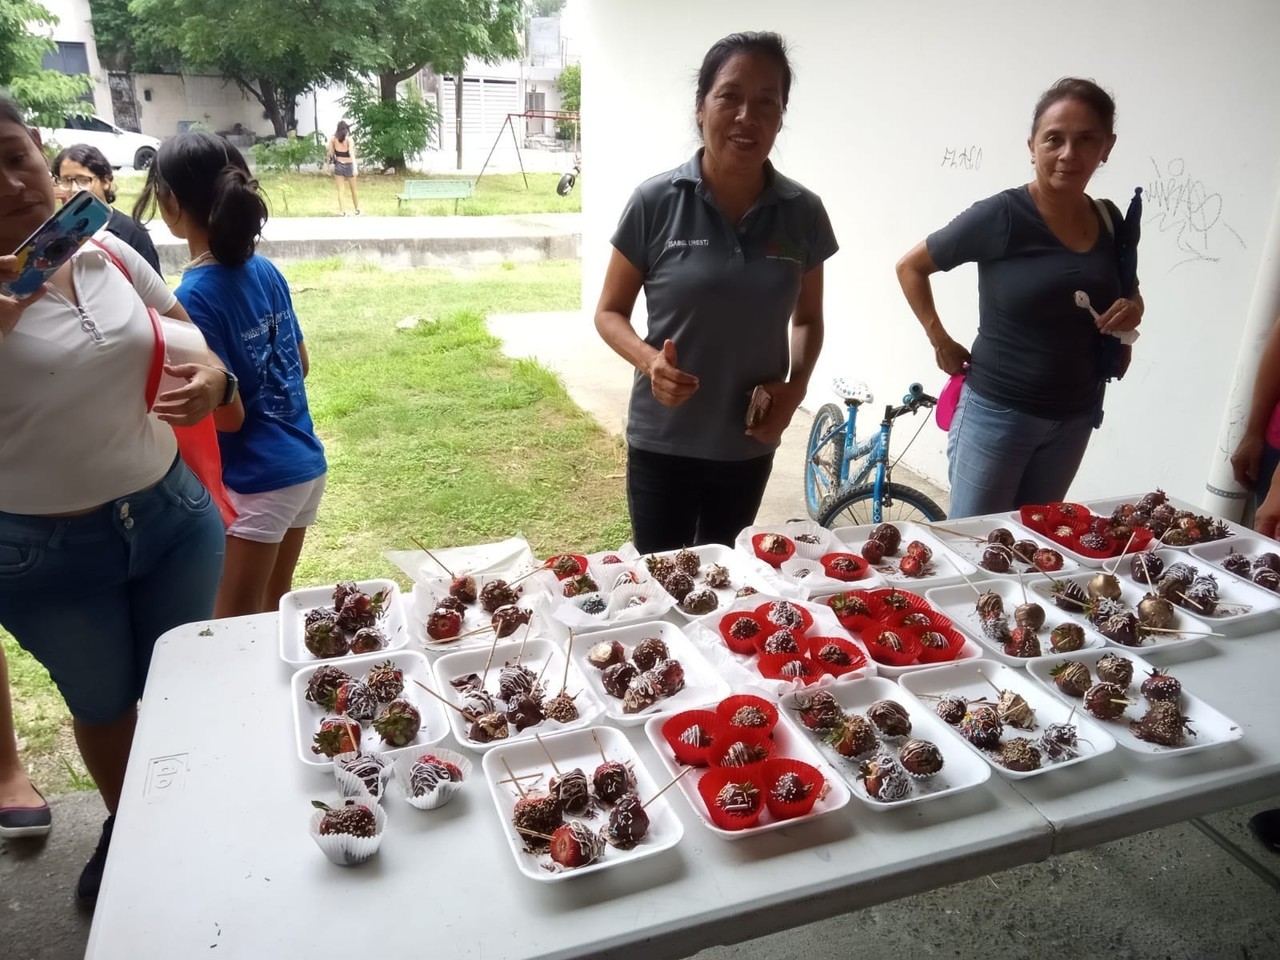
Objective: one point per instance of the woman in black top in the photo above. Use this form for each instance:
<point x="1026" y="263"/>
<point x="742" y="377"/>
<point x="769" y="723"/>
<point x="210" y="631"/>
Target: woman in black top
<point x="1033" y="391"/>
<point x="82" y="167"/>
<point x="342" y="154"/>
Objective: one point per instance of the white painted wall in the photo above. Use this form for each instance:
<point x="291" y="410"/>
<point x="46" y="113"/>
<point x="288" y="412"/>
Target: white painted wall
<point x="74" y="26"/>
<point x="883" y="91"/>
<point x="213" y="101"/>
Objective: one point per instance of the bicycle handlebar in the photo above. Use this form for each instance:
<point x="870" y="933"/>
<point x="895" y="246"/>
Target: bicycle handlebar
<point x="911" y="403"/>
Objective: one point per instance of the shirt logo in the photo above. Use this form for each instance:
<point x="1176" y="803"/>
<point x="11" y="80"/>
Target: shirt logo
<point x="782" y="249"/>
<point x="687" y="243"/>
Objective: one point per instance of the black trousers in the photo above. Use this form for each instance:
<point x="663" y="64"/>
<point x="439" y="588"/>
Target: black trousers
<point x="681" y="501"/>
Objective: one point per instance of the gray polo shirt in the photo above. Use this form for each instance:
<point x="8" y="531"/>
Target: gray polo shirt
<point x="724" y="294"/>
<point x="1036" y="351"/>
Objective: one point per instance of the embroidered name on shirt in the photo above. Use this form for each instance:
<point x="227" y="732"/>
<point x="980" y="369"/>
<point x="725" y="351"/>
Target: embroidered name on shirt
<point x="687" y="243"/>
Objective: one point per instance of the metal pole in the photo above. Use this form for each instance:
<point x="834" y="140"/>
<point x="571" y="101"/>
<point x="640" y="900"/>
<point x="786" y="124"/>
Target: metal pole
<point x="495" y="146"/>
<point x="519" y="158"/>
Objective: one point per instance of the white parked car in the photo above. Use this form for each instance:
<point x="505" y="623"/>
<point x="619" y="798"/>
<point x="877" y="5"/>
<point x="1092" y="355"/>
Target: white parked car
<point x="120" y="147"/>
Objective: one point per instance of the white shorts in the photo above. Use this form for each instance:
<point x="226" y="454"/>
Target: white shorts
<point x="266" y="517"/>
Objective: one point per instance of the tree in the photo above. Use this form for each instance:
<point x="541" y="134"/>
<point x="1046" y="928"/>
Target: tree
<point x="397" y="38"/>
<point x="569" y="83"/>
<point x="46" y="94"/>
<point x="389" y="130"/>
<point x="546" y="8"/>
<point x="272" y="51"/>
<point x="127" y="43"/>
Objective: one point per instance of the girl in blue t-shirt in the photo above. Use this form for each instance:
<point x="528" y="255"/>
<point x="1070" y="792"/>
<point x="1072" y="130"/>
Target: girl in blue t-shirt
<point x="273" y="463"/>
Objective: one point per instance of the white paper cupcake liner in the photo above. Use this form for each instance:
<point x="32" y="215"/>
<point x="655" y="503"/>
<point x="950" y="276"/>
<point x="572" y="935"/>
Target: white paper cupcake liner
<point x="444" y="792"/>
<point x="344" y="849"/>
<point x="657" y="601"/>
<point x="350" y="785"/>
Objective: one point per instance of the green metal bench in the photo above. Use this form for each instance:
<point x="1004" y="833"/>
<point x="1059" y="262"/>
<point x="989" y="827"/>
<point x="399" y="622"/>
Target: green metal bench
<point x="454" y="190"/>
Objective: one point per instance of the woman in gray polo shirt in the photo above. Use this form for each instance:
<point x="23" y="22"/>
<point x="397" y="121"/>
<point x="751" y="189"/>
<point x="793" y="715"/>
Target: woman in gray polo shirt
<point x="1032" y="395"/>
<point x="729" y="254"/>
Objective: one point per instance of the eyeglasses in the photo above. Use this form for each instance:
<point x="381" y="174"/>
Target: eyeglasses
<point x="79" y="183"/>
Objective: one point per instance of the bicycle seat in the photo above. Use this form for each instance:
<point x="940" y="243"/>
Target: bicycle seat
<point x="852" y="391"/>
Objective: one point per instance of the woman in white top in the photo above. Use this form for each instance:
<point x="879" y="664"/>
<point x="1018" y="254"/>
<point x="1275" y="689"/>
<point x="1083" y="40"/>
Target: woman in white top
<point x="106" y="539"/>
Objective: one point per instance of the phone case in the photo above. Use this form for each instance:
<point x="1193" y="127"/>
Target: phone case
<point x="758" y="408"/>
<point x="56" y="241"/>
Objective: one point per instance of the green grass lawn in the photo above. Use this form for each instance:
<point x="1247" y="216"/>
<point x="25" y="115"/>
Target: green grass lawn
<point x="430" y="432"/>
<point x="316" y="195"/>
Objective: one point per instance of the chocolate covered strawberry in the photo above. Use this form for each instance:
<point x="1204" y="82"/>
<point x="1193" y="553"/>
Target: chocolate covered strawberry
<point x="911" y="566"/>
<point x="508" y="618"/>
<point x="920" y="551"/>
<point x="386" y="680"/>
<point x="368" y="640"/>
<point x="399" y="723"/>
<point x="873" y="552"/>
<point x="1161" y="687"/>
<point x="360" y="610"/>
<point x="323" y="682"/>
<point x="353" y="819"/>
<point x="337" y="735"/>
<point x="324" y="638"/>
<point x="355" y="700"/>
<point x="463" y="588"/>
<point x="575" y="845"/>
<point x="443" y="624"/>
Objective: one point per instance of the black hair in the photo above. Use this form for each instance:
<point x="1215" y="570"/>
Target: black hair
<point x="342" y="131"/>
<point x="11" y="111"/>
<point x="91" y="159"/>
<point x="763" y="44"/>
<point x="211" y="182"/>
<point x="1087" y="92"/>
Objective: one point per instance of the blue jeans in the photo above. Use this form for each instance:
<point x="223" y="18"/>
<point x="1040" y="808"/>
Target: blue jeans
<point x="1000" y="459"/>
<point x="88" y="596"/>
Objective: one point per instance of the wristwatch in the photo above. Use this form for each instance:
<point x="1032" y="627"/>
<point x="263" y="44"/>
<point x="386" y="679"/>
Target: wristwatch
<point x="233" y="388"/>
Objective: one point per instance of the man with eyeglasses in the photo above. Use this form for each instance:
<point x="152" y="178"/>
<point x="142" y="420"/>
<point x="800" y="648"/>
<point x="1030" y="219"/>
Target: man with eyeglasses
<point x="82" y="167"/>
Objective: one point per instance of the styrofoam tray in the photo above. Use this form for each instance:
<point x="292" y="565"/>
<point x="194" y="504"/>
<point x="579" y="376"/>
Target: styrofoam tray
<point x="1238" y="602"/>
<point x="577" y="748"/>
<point x="972" y="550"/>
<point x="1130" y="595"/>
<point x="947" y="567"/>
<point x="959" y="602"/>
<point x="790" y="745"/>
<point x="1106" y="506"/>
<point x="791" y="529"/>
<point x="1211" y="727"/>
<point x="535" y="591"/>
<point x="969" y="651"/>
<point x="538" y="654"/>
<point x="973" y="680"/>
<point x="742" y="572"/>
<point x="740" y="670"/>
<point x="507" y="559"/>
<point x="295" y="605"/>
<point x="808" y="579"/>
<point x="701" y="681"/>
<point x="1251" y="545"/>
<point x="307" y="715"/>
<point x="961" y="770"/>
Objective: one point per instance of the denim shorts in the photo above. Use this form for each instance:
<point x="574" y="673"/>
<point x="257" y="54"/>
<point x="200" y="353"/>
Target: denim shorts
<point x="88" y="596"/>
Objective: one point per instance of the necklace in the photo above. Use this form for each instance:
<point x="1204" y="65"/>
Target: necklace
<point x="206" y="257"/>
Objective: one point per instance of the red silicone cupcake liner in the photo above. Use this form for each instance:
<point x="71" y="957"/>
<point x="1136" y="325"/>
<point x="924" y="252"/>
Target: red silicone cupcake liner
<point x="688" y="753"/>
<point x="1066" y="510"/>
<point x="797" y="633"/>
<point x="729" y="706"/>
<point x="762" y="613"/>
<point x="911" y="648"/>
<point x="859" y="571"/>
<point x="773" y="559"/>
<point x="745" y="647"/>
<point x="730" y="737"/>
<point x="897" y="618"/>
<point x="783" y="810"/>
<point x="836" y="599"/>
<point x="857" y="659"/>
<point x="771" y="664"/>
<point x="582" y="565"/>
<point x="913" y="602"/>
<point x="713" y="781"/>
<point x="955" y="643"/>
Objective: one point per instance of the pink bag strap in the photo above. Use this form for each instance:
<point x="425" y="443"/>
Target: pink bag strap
<point x="156" y="370"/>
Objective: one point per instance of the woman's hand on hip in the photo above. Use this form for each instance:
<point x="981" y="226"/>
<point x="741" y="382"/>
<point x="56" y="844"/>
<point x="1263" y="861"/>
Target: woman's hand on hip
<point x="1246" y="460"/>
<point x="786" y="399"/>
<point x="193" y="401"/>
<point x="950" y="356"/>
<point x="1121" y="316"/>
<point x="671" y="385"/>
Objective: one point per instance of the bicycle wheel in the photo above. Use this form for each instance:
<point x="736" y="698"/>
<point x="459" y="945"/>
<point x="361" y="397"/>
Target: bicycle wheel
<point x="822" y="465"/>
<point x="852" y="508"/>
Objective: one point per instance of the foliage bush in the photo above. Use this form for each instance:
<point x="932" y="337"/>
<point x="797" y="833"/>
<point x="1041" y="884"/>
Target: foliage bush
<point x="569" y="83"/>
<point x="290" y="153"/>
<point x="388" y="132"/>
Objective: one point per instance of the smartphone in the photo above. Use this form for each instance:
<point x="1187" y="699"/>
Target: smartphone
<point x="40" y="256"/>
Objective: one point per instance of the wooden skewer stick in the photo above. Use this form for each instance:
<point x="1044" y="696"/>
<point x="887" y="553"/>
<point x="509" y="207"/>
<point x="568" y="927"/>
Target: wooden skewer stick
<point x="445" y="700"/>
<point x="1022" y="583"/>
<point x="970" y="582"/>
<point x="679" y="777"/>
<point x="543" y="671"/>
<point x="954" y="533"/>
<point x="484" y="677"/>
<point x="524" y="639"/>
<point x="525" y="832"/>
<point x="1188" y="633"/>
<point x="550" y="758"/>
<point x="439" y="562"/>
<point x="1116" y="566"/>
<point x="599" y="746"/>
<point x="521" y="776"/>
<point x="514" y="779"/>
<point x="472" y="633"/>
<point x="564" y="684"/>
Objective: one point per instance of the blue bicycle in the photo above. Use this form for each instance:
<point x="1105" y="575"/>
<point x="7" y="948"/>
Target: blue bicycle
<point x="837" y="488"/>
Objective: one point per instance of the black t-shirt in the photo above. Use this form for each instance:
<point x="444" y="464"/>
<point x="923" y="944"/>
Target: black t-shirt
<point x="135" y="235"/>
<point x="1036" y="351"/>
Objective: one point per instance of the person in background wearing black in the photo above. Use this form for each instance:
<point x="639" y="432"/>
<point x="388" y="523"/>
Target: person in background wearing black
<point x="82" y="167"/>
